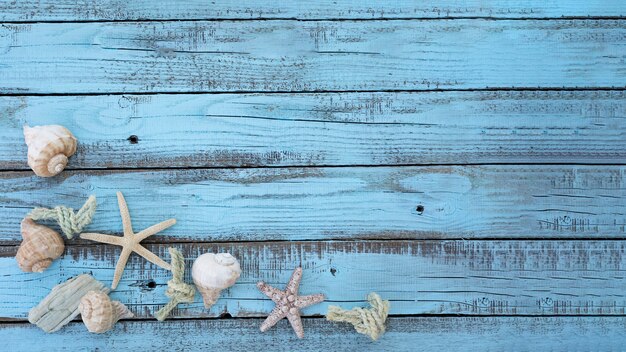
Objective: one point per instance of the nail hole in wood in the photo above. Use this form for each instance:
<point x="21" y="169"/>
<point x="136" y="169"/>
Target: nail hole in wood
<point x="420" y="209"/>
<point x="333" y="271"/>
<point x="225" y="315"/>
<point x="133" y="139"/>
<point x="151" y="284"/>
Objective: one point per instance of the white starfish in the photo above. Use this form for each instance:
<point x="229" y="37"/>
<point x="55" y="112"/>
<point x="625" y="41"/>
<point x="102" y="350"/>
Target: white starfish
<point x="130" y="241"/>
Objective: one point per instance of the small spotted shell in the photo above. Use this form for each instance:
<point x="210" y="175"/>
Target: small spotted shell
<point x="49" y="148"/>
<point x="99" y="313"/>
<point x="40" y="246"/>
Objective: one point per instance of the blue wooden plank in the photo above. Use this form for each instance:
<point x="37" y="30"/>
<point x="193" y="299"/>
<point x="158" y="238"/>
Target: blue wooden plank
<point x="417" y="277"/>
<point x="567" y="334"/>
<point x="116" y="10"/>
<point x="332" y="203"/>
<point x="227" y="56"/>
<point x="325" y="129"/>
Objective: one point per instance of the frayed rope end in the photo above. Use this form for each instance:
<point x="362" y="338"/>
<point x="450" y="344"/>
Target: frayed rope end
<point x="367" y="321"/>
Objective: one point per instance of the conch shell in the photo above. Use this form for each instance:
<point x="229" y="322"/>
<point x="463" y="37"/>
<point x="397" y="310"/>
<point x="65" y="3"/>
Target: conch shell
<point x="213" y="273"/>
<point x="41" y="245"/>
<point x="99" y="313"/>
<point x="49" y="147"/>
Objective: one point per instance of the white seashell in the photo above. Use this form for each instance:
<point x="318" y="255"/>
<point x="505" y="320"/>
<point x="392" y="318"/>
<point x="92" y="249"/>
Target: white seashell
<point x="213" y="273"/>
<point x="49" y="147"/>
<point x="99" y="313"/>
<point x="61" y="305"/>
<point x="40" y="246"/>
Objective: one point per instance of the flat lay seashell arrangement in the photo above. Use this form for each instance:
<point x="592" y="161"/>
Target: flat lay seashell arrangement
<point x="49" y="149"/>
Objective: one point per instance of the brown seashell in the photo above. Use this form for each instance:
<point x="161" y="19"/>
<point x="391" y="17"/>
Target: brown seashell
<point x="40" y="246"/>
<point x="49" y="148"/>
<point x="99" y="313"/>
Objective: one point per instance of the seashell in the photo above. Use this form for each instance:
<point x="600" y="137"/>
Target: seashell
<point x="40" y="246"/>
<point x="99" y="313"/>
<point x="61" y="305"/>
<point x="213" y="273"/>
<point x="49" y="147"/>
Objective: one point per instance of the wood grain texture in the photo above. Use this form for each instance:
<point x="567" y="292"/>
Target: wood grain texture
<point x="333" y="203"/>
<point x="570" y="334"/>
<point x="226" y="130"/>
<point x="118" y="10"/>
<point x="229" y="56"/>
<point x="418" y="277"/>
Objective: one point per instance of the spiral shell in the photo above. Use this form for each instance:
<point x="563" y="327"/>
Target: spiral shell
<point x="213" y="273"/>
<point x="99" y="313"/>
<point x="49" y="148"/>
<point x="40" y="246"/>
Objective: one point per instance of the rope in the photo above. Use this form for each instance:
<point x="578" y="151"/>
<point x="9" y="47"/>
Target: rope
<point x="71" y="223"/>
<point x="367" y="321"/>
<point x="177" y="290"/>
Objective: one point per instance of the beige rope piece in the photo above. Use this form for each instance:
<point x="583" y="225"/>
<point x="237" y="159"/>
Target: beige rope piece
<point x="177" y="290"/>
<point x="71" y="223"/>
<point x="367" y="321"/>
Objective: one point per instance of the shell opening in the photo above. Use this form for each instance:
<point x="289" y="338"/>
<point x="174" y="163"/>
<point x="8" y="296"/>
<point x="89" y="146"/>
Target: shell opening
<point x="41" y="265"/>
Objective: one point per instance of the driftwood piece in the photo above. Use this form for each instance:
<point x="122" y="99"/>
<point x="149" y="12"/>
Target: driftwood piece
<point x="61" y="305"/>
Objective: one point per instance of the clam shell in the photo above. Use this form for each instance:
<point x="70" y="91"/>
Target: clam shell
<point x="40" y="246"/>
<point x="49" y="148"/>
<point x="99" y="313"/>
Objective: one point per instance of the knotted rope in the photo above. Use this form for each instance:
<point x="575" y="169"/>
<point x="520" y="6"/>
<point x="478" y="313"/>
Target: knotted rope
<point x="71" y="223"/>
<point x="367" y="321"/>
<point x="177" y="290"/>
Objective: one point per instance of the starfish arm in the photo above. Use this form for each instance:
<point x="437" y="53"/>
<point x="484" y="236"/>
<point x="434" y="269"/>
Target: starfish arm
<point x="305" y="301"/>
<point x="154" y="229"/>
<point x="294" y="282"/>
<point x="272" y="293"/>
<point x="121" y="264"/>
<point x="126" y="223"/>
<point x="151" y="257"/>
<point x="275" y="316"/>
<point x="98" y="237"/>
<point x="296" y="324"/>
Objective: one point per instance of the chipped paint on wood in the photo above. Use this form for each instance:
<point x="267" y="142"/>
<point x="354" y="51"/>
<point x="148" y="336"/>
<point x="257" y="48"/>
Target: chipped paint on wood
<point x="116" y="10"/>
<point x="308" y="56"/>
<point x="567" y="334"/>
<point x="417" y="277"/>
<point x="513" y="201"/>
<point x="231" y="130"/>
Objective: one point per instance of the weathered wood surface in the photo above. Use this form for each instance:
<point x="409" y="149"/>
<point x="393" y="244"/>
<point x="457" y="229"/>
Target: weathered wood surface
<point x="333" y="203"/>
<point x="226" y="130"/>
<point x="118" y="10"/>
<point x="418" y="277"/>
<point x="567" y="334"/>
<point x="229" y="56"/>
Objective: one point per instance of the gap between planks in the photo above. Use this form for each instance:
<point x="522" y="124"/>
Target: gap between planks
<point x="269" y="19"/>
<point x="320" y="91"/>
